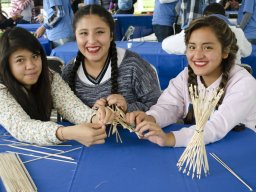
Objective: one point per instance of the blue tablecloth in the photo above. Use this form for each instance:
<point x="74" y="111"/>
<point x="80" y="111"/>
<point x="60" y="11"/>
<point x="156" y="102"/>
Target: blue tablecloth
<point x="46" y="45"/>
<point x="29" y="27"/>
<point x="138" y="165"/>
<point x="142" y="24"/>
<point x="44" y="41"/>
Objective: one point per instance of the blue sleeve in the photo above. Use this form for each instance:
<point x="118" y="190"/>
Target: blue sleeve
<point x="248" y="6"/>
<point x="53" y="3"/>
<point x="55" y="17"/>
<point x="90" y="2"/>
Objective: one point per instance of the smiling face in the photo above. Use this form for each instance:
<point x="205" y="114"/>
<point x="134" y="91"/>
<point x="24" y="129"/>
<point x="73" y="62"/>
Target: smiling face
<point x="204" y="53"/>
<point x="25" y="66"/>
<point x="93" y="38"/>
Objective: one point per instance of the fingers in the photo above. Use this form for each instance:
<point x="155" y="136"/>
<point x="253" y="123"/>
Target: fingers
<point x="135" y="117"/>
<point x="151" y="133"/>
<point x="140" y="116"/>
<point x="98" y="129"/>
<point x="114" y="99"/>
<point x="100" y="102"/>
<point x="146" y="126"/>
<point x="118" y="100"/>
<point x="94" y="134"/>
<point x="105" y="115"/>
<point x="102" y="141"/>
<point x="131" y="118"/>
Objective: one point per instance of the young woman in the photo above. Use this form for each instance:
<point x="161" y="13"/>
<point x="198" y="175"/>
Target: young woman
<point x="211" y="49"/>
<point x="29" y="91"/>
<point x="102" y="74"/>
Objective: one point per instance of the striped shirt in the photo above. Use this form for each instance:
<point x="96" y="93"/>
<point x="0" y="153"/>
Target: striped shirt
<point x="137" y="82"/>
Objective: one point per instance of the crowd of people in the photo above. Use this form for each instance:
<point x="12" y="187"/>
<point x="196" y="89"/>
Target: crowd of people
<point x="169" y="16"/>
<point x="102" y="76"/>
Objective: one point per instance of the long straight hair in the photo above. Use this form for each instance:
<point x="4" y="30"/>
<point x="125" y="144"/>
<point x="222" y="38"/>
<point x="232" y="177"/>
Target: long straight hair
<point x="37" y="101"/>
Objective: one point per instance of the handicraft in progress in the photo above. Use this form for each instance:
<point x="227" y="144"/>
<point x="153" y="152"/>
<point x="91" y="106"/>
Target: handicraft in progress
<point x="194" y="158"/>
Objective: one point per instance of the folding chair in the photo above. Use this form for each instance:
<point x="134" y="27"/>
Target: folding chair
<point x="56" y="64"/>
<point x="155" y="72"/>
<point x="247" y="67"/>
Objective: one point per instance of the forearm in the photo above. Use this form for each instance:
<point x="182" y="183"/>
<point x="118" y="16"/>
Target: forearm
<point x="55" y="18"/>
<point x="32" y="131"/>
<point x="245" y="20"/>
<point x="67" y="133"/>
<point x="67" y="103"/>
<point x="18" y="123"/>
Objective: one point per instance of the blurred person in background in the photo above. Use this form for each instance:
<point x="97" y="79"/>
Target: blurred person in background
<point x="6" y="22"/>
<point x="230" y="5"/>
<point x="22" y="8"/>
<point x="164" y="17"/>
<point x="58" y="17"/>
<point x="247" y="19"/>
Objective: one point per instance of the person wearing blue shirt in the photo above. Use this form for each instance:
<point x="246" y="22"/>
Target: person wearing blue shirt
<point x="164" y="17"/>
<point x="247" y="19"/>
<point x="191" y="9"/>
<point x="103" y="3"/>
<point x="91" y="2"/>
<point x="58" y="17"/>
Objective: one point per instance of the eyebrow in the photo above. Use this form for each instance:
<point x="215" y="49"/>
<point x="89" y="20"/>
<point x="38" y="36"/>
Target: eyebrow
<point x="85" y="29"/>
<point x="18" y="56"/>
<point x="206" y="43"/>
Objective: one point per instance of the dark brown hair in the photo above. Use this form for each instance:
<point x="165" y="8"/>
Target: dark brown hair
<point x="108" y="19"/>
<point x="36" y="102"/>
<point x="228" y="42"/>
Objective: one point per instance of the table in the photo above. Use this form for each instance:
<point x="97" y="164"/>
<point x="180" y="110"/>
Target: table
<point x="138" y="165"/>
<point x="43" y="40"/>
<point x="46" y="45"/>
<point x="142" y="24"/>
<point x="30" y="27"/>
<point x="167" y="65"/>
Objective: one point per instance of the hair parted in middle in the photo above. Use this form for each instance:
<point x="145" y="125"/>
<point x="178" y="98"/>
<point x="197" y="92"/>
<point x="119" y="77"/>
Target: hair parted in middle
<point x="228" y="43"/>
<point x="108" y="19"/>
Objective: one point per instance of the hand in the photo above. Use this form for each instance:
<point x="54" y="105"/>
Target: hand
<point x="16" y="17"/>
<point x="154" y="133"/>
<point x="117" y="99"/>
<point x="86" y="134"/>
<point x="40" y="31"/>
<point x="39" y="18"/>
<point x="100" y="103"/>
<point x="137" y="117"/>
<point x="104" y="116"/>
